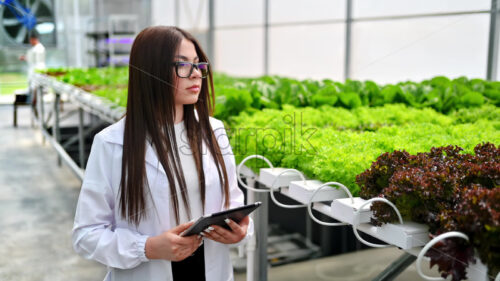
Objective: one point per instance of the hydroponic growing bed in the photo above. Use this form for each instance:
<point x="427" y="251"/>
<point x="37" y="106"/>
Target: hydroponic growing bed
<point x="398" y="142"/>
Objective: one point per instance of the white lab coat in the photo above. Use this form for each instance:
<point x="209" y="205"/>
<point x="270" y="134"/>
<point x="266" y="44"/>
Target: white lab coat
<point x="101" y="234"/>
<point x="35" y="57"/>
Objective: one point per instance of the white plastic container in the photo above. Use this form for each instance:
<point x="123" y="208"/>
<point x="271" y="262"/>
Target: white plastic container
<point x="343" y="210"/>
<point x="304" y="191"/>
<point x="405" y="236"/>
<point x="268" y="176"/>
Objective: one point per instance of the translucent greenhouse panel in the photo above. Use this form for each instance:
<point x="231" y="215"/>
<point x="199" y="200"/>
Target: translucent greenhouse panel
<point x="238" y="12"/>
<point x="163" y="12"/>
<point x="239" y="52"/>
<point x="308" y="51"/>
<point x="377" y="8"/>
<point x="193" y="15"/>
<point x="285" y="11"/>
<point x="417" y="49"/>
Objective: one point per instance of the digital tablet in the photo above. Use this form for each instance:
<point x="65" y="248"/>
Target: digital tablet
<point x="236" y="214"/>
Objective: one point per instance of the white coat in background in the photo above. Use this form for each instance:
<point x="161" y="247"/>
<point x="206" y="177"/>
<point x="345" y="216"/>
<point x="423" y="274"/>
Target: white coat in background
<point x="100" y="233"/>
<point x="35" y="57"/>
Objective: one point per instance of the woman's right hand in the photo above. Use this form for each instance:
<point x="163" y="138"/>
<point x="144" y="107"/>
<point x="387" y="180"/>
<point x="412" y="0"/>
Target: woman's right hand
<point x="171" y="246"/>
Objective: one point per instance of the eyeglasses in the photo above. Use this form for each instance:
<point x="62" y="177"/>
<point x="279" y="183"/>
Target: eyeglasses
<point x="184" y="69"/>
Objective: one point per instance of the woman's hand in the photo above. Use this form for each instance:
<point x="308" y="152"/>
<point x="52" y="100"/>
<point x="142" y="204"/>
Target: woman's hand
<point x="171" y="246"/>
<point x="222" y="235"/>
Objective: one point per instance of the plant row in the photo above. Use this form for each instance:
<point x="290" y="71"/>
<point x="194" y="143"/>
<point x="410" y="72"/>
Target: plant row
<point x="378" y="140"/>
<point x="440" y="93"/>
<point x="448" y="188"/>
<point x="448" y="191"/>
<point x="235" y="95"/>
<point x="334" y="144"/>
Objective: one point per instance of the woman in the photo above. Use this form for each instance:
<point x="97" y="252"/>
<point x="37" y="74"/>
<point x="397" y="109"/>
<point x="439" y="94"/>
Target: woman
<point x="165" y="164"/>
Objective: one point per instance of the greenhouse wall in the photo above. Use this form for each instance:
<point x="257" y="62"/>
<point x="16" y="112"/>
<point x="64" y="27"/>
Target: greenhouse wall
<point x="419" y="48"/>
<point x="390" y="40"/>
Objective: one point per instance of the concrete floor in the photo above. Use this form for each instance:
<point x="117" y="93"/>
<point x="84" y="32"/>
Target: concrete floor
<point x="358" y="266"/>
<point x="37" y="204"/>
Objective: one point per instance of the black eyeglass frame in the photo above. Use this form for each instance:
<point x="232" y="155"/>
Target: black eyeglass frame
<point x="193" y="65"/>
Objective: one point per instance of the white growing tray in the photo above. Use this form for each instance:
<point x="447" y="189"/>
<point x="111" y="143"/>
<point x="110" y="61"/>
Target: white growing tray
<point x="268" y="175"/>
<point x="318" y="206"/>
<point x="343" y="210"/>
<point x="305" y="190"/>
<point x="405" y="236"/>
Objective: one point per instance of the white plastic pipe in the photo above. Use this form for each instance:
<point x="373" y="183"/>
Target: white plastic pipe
<point x="238" y="172"/>
<point x="429" y="245"/>
<point x="309" y="204"/>
<point x="252" y="243"/>
<point x="273" y="187"/>
<point x="356" y="220"/>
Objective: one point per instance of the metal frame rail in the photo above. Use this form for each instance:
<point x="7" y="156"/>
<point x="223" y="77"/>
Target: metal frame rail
<point x="260" y="259"/>
<point x="280" y="183"/>
<point x="85" y="102"/>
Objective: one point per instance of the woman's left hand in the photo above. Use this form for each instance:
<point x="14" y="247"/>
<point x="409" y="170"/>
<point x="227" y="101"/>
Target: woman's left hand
<point x="222" y="235"/>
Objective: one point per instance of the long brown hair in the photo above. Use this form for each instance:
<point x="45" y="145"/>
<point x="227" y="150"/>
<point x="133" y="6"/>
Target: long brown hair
<point x="150" y="112"/>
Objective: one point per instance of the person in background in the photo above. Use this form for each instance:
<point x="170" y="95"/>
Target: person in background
<point x="163" y="165"/>
<point x="35" y="57"/>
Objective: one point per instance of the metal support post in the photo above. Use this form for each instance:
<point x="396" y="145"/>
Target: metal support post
<point x="491" y="72"/>
<point x="56" y="129"/>
<point x="261" y="222"/>
<point x="309" y="229"/>
<point x="32" y="106"/>
<point x="81" y="142"/>
<point x="41" y="112"/>
<point x="177" y="9"/>
<point x="77" y="33"/>
<point x="348" y="24"/>
<point x="396" y="268"/>
<point x="252" y="244"/>
<point x="211" y="31"/>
